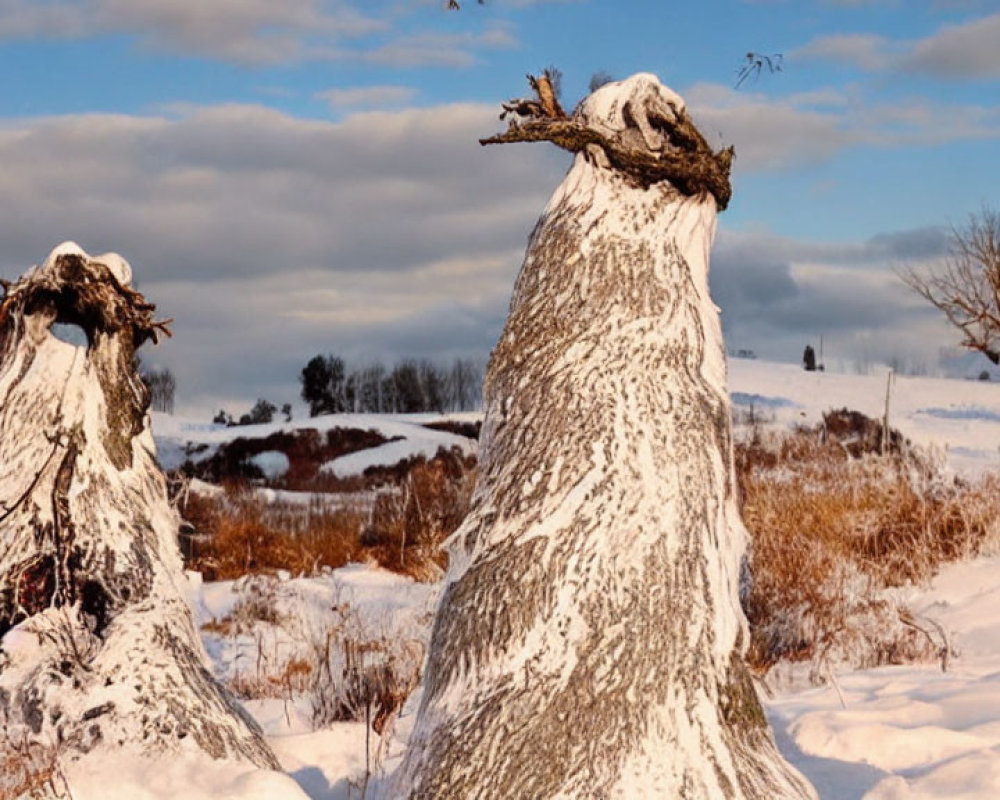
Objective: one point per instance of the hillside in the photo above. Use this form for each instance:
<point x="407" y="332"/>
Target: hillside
<point x="960" y="418"/>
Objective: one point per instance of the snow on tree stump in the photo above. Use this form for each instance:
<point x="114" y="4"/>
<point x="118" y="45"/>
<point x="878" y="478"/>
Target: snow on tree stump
<point x="99" y="647"/>
<point x="589" y="638"/>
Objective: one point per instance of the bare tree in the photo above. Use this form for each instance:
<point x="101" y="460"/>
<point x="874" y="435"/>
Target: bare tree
<point x="589" y="640"/>
<point x="966" y="285"/>
<point x="465" y="380"/>
<point x="162" y="388"/>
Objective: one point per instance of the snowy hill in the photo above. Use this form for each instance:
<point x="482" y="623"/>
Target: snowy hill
<point x="961" y="418"/>
<point x="402" y="436"/>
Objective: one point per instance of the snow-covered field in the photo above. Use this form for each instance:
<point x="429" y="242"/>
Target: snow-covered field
<point x="179" y="438"/>
<point x="960" y="418"/>
<point x="893" y="733"/>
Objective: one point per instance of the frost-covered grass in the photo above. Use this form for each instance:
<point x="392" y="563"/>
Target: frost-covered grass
<point x="833" y="538"/>
<point x="343" y="645"/>
<point x="324" y="663"/>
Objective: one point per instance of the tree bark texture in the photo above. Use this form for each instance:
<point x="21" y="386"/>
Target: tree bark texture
<point x="99" y="646"/>
<point x="589" y="639"/>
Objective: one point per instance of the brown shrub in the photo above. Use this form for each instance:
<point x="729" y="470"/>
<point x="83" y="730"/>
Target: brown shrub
<point x="400" y="527"/>
<point x="406" y="528"/>
<point x="295" y="677"/>
<point x="28" y="769"/>
<point x="240" y="534"/>
<point x="831" y="533"/>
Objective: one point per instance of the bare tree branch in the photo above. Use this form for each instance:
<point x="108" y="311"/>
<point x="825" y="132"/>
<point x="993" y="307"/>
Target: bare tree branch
<point x="966" y="286"/>
<point x="670" y="149"/>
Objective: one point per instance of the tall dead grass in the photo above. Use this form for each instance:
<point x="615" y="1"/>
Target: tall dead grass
<point x="241" y="534"/>
<point x="833" y="533"/>
<point x="29" y="769"/>
<point x="398" y="527"/>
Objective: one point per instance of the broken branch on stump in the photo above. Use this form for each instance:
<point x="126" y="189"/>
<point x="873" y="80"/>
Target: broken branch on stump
<point x="683" y="157"/>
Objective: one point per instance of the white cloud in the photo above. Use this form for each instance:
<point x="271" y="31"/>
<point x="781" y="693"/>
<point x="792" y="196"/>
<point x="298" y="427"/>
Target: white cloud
<point x="270" y="238"/>
<point x="768" y="134"/>
<point x="367" y="96"/>
<point x="968" y="50"/>
<point x="430" y="49"/>
<point x="778" y="294"/>
<point x="807" y="128"/>
<point x="971" y="50"/>
<point x="254" y="31"/>
<point x="866" y="51"/>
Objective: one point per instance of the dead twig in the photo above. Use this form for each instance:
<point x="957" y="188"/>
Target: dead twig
<point x="942" y="644"/>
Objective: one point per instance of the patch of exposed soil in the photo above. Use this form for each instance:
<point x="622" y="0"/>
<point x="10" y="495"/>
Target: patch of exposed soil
<point x="470" y="430"/>
<point x="307" y="450"/>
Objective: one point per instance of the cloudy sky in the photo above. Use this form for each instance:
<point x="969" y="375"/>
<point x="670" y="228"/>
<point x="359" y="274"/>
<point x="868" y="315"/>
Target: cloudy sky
<point x="296" y="177"/>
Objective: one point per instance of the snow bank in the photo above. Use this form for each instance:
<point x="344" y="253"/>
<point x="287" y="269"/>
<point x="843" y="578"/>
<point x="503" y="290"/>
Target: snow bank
<point x="913" y="732"/>
<point x="107" y="776"/>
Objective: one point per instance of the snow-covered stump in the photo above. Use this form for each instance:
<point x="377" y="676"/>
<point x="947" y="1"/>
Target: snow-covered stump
<point x="589" y="639"/>
<point x="99" y="647"/>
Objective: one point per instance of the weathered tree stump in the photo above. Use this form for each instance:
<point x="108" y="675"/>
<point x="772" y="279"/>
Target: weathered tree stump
<point x="589" y="639"/>
<point x="99" y="648"/>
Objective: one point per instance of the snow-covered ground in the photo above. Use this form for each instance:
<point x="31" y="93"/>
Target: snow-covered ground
<point x="961" y="418"/>
<point x="901" y="733"/>
<point x="912" y="732"/>
<point x="893" y="733"/>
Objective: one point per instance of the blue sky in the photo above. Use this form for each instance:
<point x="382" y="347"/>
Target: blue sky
<point x="301" y="177"/>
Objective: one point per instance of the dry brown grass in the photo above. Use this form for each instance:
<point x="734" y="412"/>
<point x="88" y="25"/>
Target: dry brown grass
<point x="295" y="677"/>
<point x="401" y="528"/>
<point x="28" y="770"/>
<point x="832" y="532"/>
<point x="407" y="528"/>
<point x="241" y="535"/>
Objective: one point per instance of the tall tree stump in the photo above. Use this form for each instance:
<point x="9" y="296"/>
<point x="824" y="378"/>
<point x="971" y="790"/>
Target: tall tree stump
<point x="589" y="638"/>
<point x="99" y="648"/>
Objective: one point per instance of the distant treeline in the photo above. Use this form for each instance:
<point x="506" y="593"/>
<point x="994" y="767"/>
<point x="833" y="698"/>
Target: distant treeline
<point x="410" y="386"/>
